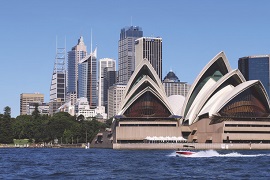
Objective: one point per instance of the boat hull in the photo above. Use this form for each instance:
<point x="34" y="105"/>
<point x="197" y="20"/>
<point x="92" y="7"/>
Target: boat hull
<point x="185" y="153"/>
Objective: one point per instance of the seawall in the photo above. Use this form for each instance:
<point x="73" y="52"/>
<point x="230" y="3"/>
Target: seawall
<point x="200" y="146"/>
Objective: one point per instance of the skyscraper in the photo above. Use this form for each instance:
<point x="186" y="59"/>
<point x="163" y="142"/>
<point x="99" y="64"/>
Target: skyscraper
<point x="76" y="54"/>
<point x="256" y="68"/>
<point x="58" y="82"/>
<point x="110" y="78"/>
<point x="126" y="52"/>
<point x="104" y="63"/>
<point x="87" y="78"/>
<point x="151" y="49"/>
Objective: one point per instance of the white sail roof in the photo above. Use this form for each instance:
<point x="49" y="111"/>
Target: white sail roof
<point x="145" y="78"/>
<point x="219" y="62"/>
<point x="215" y="87"/>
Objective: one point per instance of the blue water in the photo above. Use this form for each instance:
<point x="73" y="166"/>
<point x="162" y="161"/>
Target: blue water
<point x="27" y="163"/>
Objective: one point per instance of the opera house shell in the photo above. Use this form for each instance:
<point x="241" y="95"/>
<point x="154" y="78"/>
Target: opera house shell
<point x="145" y="110"/>
<point x="222" y="107"/>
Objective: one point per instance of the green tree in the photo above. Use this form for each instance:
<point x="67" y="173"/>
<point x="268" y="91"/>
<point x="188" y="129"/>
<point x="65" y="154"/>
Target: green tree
<point x="36" y="113"/>
<point x="20" y="126"/>
<point x="6" y="135"/>
<point x="90" y="129"/>
<point x="43" y="128"/>
<point x="58" y="124"/>
<point x="7" y="111"/>
<point x="67" y="135"/>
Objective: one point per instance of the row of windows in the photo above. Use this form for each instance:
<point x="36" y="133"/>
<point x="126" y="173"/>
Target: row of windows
<point x="163" y="125"/>
<point x="246" y="125"/>
<point x="246" y="141"/>
<point x="248" y="132"/>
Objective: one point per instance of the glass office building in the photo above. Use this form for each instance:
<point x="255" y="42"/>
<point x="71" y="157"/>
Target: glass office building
<point x="151" y="49"/>
<point x="87" y="78"/>
<point x="126" y="52"/>
<point x="256" y="68"/>
<point x="102" y="90"/>
<point x="77" y="53"/>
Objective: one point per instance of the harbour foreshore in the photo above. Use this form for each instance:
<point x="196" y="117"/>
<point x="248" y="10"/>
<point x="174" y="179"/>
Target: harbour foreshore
<point x="81" y="145"/>
<point x="160" y="146"/>
<point x="199" y="146"/>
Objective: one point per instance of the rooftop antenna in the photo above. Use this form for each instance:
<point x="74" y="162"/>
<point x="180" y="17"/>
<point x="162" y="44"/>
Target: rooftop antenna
<point x="56" y="44"/>
<point x="91" y="57"/>
<point x="91" y="42"/>
<point x="131" y="20"/>
<point x="81" y="32"/>
<point x="65" y="65"/>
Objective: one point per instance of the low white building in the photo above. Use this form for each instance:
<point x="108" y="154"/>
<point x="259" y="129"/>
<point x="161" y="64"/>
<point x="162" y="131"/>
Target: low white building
<point x="43" y="108"/>
<point x="82" y="108"/>
<point x="67" y="107"/>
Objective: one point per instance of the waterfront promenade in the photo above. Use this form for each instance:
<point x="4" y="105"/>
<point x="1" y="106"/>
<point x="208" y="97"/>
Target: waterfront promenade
<point x="200" y="146"/>
<point x="157" y="146"/>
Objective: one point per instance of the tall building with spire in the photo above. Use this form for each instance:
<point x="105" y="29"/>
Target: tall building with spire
<point x="76" y="54"/>
<point x="126" y="52"/>
<point x="104" y="66"/>
<point x="87" y="78"/>
<point x="151" y="49"/>
<point x="58" y="82"/>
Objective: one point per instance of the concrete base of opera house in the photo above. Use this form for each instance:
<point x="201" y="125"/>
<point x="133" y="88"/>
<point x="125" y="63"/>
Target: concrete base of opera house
<point x="199" y="146"/>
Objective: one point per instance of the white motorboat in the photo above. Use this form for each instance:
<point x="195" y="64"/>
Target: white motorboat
<point x="186" y="152"/>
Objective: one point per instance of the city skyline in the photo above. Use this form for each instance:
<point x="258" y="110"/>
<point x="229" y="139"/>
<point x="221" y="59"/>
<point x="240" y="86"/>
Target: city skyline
<point x="191" y="32"/>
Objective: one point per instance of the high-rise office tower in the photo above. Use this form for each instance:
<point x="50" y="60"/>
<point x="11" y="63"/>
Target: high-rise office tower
<point x="110" y="78"/>
<point x="151" y="49"/>
<point x="102" y="90"/>
<point x="76" y="54"/>
<point x="126" y="52"/>
<point x="87" y="78"/>
<point x="26" y="98"/>
<point x="58" y="82"/>
<point x="173" y="86"/>
<point x="256" y="68"/>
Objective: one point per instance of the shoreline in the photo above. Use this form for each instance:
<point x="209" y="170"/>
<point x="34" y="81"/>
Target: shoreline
<point x="43" y="146"/>
<point x="157" y="146"/>
<point x="197" y="146"/>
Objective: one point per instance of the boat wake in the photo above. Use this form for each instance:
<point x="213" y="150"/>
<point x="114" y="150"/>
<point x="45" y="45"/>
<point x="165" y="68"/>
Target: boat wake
<point x="213" y="153"/>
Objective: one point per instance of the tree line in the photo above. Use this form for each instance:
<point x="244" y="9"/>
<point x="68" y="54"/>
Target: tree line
<point x="44" y="128"/>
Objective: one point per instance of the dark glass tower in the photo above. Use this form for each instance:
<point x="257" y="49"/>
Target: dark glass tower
<point x="126" y="52"/>
<point x="109" y="80"/>
<point x="256" y="68"/>
<point x="87" y="78"/>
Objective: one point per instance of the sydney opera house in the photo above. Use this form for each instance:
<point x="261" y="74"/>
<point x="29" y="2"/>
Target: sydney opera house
<point x="221" y="107"/>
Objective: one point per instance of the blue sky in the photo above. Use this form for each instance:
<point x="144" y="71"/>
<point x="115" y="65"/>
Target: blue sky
<point x="193" y="32"/>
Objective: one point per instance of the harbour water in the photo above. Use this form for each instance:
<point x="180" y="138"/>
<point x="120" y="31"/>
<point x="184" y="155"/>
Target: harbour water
<point x="50" y="163"/>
